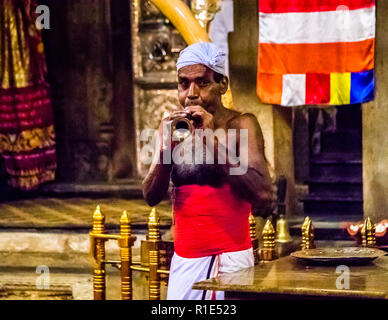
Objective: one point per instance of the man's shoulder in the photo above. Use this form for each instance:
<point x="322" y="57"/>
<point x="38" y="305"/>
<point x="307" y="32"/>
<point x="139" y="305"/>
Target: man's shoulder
<point x="242" y="120"/>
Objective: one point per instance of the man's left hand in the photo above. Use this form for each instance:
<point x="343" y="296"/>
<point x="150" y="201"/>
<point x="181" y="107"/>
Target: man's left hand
<point x="201" y="118"/>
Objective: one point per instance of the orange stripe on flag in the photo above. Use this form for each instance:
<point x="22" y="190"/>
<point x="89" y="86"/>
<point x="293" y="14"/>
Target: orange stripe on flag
<point x="270" y="87"/>
<point x="316" y="57"/>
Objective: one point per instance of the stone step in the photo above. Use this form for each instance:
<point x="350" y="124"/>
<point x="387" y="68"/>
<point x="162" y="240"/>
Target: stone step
<point x="341" y="141"/>
<point x="339" y="187"/>
<point x="317" y="204"/>
<point x="335" y="168"/>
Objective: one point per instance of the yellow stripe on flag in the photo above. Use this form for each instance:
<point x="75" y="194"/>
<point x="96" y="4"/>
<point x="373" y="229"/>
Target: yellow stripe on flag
<point x="340" y="88"/>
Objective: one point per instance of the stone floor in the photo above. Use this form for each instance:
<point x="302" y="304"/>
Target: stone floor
<point x="76" y="213"/>
<point x="53" y="232"/>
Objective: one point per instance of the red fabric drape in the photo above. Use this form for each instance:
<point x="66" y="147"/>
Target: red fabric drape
<point x="27" y="135"/>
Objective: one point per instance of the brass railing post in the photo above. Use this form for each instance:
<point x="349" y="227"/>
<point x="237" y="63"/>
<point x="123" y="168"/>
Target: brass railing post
<point x="255" y="240"/>
<point x="154" y="239"/>
<point x="99" y="249"/>
<point x="125" y="244"/>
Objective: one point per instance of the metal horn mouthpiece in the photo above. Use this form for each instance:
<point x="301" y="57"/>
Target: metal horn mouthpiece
<point x="181" y="128"/>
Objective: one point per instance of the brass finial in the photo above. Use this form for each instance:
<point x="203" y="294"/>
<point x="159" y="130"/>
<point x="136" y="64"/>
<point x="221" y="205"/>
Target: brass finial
<point x="308" y="234"/>
<point x="98" y="220"/>
<point x="282" y="231"/>
<point x="368" y="234"/>
<point x="269" y="235"/>
<point x="268" y="253"/>
<point x="154" y="225"/>
<point x="125" y="244"/>
<point x="125" y="224"/>
<point x="154" y="216"/>
<point x="124" y="218"/>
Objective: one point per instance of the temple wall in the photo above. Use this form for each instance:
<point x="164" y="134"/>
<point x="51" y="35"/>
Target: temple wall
<point x="374" y="126"/>
<point x="275" y="121"/>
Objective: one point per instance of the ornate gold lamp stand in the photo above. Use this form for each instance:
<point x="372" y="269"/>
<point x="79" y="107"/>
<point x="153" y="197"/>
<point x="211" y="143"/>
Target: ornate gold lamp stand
<point x="268" y="252"/>
<point x="307" y="234"/>
<point x="205" y="11"/>
<point x="368" y="234"/>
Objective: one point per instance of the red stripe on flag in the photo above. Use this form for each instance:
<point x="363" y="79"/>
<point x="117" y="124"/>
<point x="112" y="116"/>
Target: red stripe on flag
<point x="316" y="57"/>
<point x="284" y="6"/>
<point x="317" y="88"/>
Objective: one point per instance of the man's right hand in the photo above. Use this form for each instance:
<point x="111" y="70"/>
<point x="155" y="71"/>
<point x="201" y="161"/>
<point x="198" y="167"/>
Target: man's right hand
<point x="165" y="129"/>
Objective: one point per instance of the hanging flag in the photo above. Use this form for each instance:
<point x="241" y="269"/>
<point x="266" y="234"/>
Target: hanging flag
<point x="316" y="52"/>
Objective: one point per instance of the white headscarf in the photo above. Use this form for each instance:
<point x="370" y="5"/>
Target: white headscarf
<point x="205" y="53"/>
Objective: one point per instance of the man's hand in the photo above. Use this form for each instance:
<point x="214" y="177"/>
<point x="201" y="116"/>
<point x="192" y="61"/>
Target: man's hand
<point x="201" y="118"/>
<point x="165" y="129"/>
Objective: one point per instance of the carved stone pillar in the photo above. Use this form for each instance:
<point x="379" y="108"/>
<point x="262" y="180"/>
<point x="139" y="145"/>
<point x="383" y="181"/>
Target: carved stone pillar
<point x="374" y="132"/>
<point x="156" y="46"/>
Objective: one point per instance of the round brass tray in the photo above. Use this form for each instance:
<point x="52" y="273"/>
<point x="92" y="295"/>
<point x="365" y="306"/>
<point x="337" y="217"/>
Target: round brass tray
<point x="346" y="255"/>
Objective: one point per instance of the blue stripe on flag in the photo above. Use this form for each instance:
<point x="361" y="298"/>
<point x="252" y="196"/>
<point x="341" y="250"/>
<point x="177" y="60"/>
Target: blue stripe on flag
<point x="362" y="86"/>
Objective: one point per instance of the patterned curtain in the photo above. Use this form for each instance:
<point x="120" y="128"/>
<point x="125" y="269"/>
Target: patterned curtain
<point x="27" y="136"/>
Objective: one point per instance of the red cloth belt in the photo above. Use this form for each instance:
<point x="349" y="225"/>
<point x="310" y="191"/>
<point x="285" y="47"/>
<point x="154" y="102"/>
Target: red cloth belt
<point x="209" y="221"/>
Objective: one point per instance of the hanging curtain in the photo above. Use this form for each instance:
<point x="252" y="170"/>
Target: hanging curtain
<point x="27" y="136"/>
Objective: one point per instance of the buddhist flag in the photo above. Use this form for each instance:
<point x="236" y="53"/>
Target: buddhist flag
<point x="316" y="52"/>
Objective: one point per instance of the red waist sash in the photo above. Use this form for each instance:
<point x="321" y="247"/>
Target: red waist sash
<point x="209" y="221"/>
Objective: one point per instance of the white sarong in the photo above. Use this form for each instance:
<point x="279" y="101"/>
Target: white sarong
<point x="184" y="272"/>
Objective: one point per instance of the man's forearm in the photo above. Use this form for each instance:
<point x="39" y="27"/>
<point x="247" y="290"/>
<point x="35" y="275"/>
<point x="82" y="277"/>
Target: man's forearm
<point x="156" y="183"/>
<point x="256" y="187"/>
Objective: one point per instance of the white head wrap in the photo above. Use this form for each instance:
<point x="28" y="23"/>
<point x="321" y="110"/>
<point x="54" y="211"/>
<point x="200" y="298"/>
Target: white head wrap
<point x="205" y="53"/>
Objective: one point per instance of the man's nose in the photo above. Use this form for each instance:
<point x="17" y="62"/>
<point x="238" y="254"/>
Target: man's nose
<point x="193" y="91"/>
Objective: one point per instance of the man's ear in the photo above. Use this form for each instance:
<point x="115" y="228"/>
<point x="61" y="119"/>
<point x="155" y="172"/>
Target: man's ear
<point x="224" y="84"/>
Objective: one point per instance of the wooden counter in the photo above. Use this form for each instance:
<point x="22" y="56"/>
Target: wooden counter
<point x="288" y="278"/>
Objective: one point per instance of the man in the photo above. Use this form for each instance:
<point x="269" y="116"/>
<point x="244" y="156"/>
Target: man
<point x="211" y="205"/>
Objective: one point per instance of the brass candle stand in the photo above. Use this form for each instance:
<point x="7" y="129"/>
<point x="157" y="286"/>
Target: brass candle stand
<point x="125" y="240"/>
<point x="268" y="251"/>
<point x="368" y="234"/>
<point x="308" y="234"/>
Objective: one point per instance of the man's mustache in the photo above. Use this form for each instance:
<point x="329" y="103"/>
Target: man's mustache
<point x="193" y="103"/>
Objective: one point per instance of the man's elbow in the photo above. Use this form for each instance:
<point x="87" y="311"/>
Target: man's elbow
<point x="151" y="199"/>
<point x="263" y="205"/>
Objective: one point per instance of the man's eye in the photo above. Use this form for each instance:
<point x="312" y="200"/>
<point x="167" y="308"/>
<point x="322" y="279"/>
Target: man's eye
<point x="182" y="83"/>
<point x="203" y="83"/>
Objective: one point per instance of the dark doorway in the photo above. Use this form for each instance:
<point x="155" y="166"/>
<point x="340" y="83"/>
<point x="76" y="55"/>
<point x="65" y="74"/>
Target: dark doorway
<point x="335" y="166"/>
